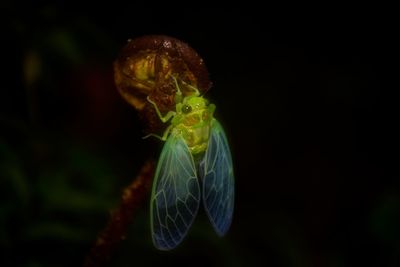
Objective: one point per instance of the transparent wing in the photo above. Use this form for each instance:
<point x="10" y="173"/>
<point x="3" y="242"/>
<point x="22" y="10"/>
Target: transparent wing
<point x="216" y="169"/>
<point x="175" y="195"/>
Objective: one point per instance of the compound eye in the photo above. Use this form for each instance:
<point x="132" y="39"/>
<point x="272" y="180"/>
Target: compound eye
<point x="186" y="109"/>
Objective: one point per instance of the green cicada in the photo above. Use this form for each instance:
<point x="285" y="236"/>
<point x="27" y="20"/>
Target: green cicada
<point x="195" y="155"/>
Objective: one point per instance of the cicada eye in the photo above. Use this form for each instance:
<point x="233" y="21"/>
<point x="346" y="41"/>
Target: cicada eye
<point x="186" y="109"/>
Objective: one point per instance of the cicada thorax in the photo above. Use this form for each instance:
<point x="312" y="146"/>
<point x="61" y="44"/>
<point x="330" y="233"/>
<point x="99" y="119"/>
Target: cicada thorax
<point x="195" y="129"/>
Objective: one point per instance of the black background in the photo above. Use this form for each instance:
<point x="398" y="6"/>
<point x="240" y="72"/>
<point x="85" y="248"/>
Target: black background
<point x="305" y="96"/>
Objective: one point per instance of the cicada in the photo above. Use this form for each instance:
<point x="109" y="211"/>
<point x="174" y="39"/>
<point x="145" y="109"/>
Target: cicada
<point x="195" y="164"/>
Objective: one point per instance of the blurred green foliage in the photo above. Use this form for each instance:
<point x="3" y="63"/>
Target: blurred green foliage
<point x="51" y="193"/>
<point x="57" y="187"/>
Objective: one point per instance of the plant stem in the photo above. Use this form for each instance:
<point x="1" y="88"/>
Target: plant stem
<point x="132" y="199"/>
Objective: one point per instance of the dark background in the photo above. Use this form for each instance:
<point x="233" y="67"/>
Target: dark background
<point x="305" y="96"/>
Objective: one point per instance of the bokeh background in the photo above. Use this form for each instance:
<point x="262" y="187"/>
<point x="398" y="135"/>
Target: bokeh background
<point x="305" y="98"/>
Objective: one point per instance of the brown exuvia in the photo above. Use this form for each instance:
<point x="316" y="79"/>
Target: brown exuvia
<point x="144" y="68"/>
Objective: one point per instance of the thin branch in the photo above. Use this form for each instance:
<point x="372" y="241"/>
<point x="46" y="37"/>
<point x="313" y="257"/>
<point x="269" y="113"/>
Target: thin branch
<point x="132" y="199"/>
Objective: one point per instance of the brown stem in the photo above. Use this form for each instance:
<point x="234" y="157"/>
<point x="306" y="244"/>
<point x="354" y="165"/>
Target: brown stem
<point x="132" y="198"/>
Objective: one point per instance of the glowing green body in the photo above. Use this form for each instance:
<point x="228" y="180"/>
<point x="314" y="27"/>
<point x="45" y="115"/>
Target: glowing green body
<point x="192" y="120"/>
<point x="195" y="125"/>
<point x="196" y="155"/>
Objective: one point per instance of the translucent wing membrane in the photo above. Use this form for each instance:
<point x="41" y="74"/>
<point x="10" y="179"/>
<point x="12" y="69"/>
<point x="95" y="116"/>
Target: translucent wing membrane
<point x="175" y="195"/>
<point x="218" y="181"/>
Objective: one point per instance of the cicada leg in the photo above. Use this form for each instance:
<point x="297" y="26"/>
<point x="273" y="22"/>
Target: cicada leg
<point x="196" y="91"/>
<point x="165" y="118"/>
<point x="162" y="138"/>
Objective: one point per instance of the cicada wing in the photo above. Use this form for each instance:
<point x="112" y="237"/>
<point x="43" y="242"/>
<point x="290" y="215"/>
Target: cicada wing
<point x="175" y="195"/>
<point x="216" y="170"/>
